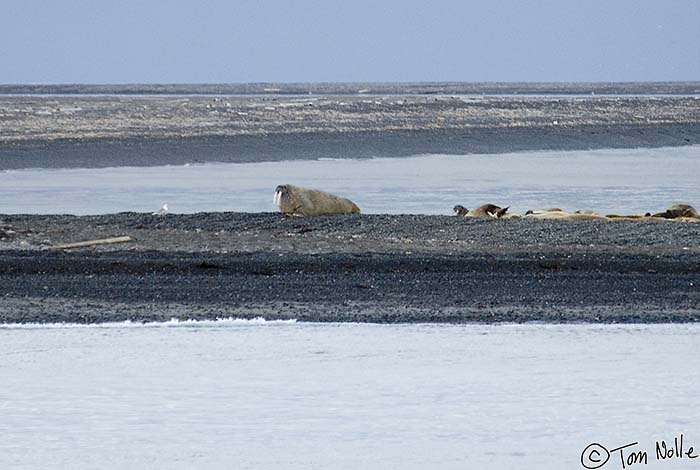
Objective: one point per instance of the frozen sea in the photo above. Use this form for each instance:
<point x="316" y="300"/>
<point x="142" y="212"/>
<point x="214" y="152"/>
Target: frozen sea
<point x="261" y="395"/>
<point x="620" y="180"/>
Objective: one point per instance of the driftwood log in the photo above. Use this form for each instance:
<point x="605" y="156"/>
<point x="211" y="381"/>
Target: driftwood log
<point x="101" y="241"/>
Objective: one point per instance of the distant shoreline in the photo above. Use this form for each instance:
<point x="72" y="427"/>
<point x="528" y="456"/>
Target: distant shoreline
<point x="106" y="131"/>
<point x="369" y="88"/>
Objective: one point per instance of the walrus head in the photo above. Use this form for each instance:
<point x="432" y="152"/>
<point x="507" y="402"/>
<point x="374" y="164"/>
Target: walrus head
<point x="460" y="210"/>
<point x="280" y="191"/>
<point x="500" y="213"/>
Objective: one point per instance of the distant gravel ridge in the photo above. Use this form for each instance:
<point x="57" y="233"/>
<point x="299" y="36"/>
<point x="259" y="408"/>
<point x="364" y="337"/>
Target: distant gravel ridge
<point x="125" y="130"/>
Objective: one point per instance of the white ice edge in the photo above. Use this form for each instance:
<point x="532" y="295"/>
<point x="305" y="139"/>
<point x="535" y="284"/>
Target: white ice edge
<point x="686" y="328"/>
<point x="172" y="323"/>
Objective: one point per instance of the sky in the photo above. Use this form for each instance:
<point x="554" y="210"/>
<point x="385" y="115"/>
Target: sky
<point x="233" y="41"/>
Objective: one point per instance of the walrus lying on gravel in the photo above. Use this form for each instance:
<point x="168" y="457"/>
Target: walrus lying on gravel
<point x="678" y="211"/>
<point x="558" y="214"/>
<point x="542" y="211"/>
<point x="487" y="211"/>
<point x="294" y="200"/>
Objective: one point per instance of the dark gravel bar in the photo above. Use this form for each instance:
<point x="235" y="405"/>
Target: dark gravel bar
<point x="361" y="268"/>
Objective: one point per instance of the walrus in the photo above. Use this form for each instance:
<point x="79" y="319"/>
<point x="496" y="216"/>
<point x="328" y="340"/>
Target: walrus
<point x="678" y="211"/>
<point x="628" y="217"/>
<point x="543" y="211"/>
<point x="294" y="200"/>
<point x="486" y="211"/>
<point x="561" y="215"/>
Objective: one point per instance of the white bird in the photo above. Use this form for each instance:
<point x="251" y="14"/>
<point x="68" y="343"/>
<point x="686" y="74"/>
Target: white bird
<point x="162" y="211"/>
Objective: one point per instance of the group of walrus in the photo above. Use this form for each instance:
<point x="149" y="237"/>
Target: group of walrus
<point x="681" y="212"/>
<point x="298" y="201"/>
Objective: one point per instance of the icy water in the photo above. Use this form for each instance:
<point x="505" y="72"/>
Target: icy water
<point x="627" y="180"/>
<point x="263" y="395"/>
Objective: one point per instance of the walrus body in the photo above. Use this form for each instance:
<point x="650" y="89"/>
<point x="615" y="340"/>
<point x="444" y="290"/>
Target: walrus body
<point x="487" y="211"/>
<point x="627" y="217"/>
<point x="542" y="211"/>
<point x="294" y="200"/>
<point x="678" y="211"/>
<point x="561" y="215"/>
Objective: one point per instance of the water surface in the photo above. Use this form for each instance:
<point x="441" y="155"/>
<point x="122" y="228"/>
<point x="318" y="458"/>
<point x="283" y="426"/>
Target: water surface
<point x="620" y="180"/>
<point x="254" y="394"/>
